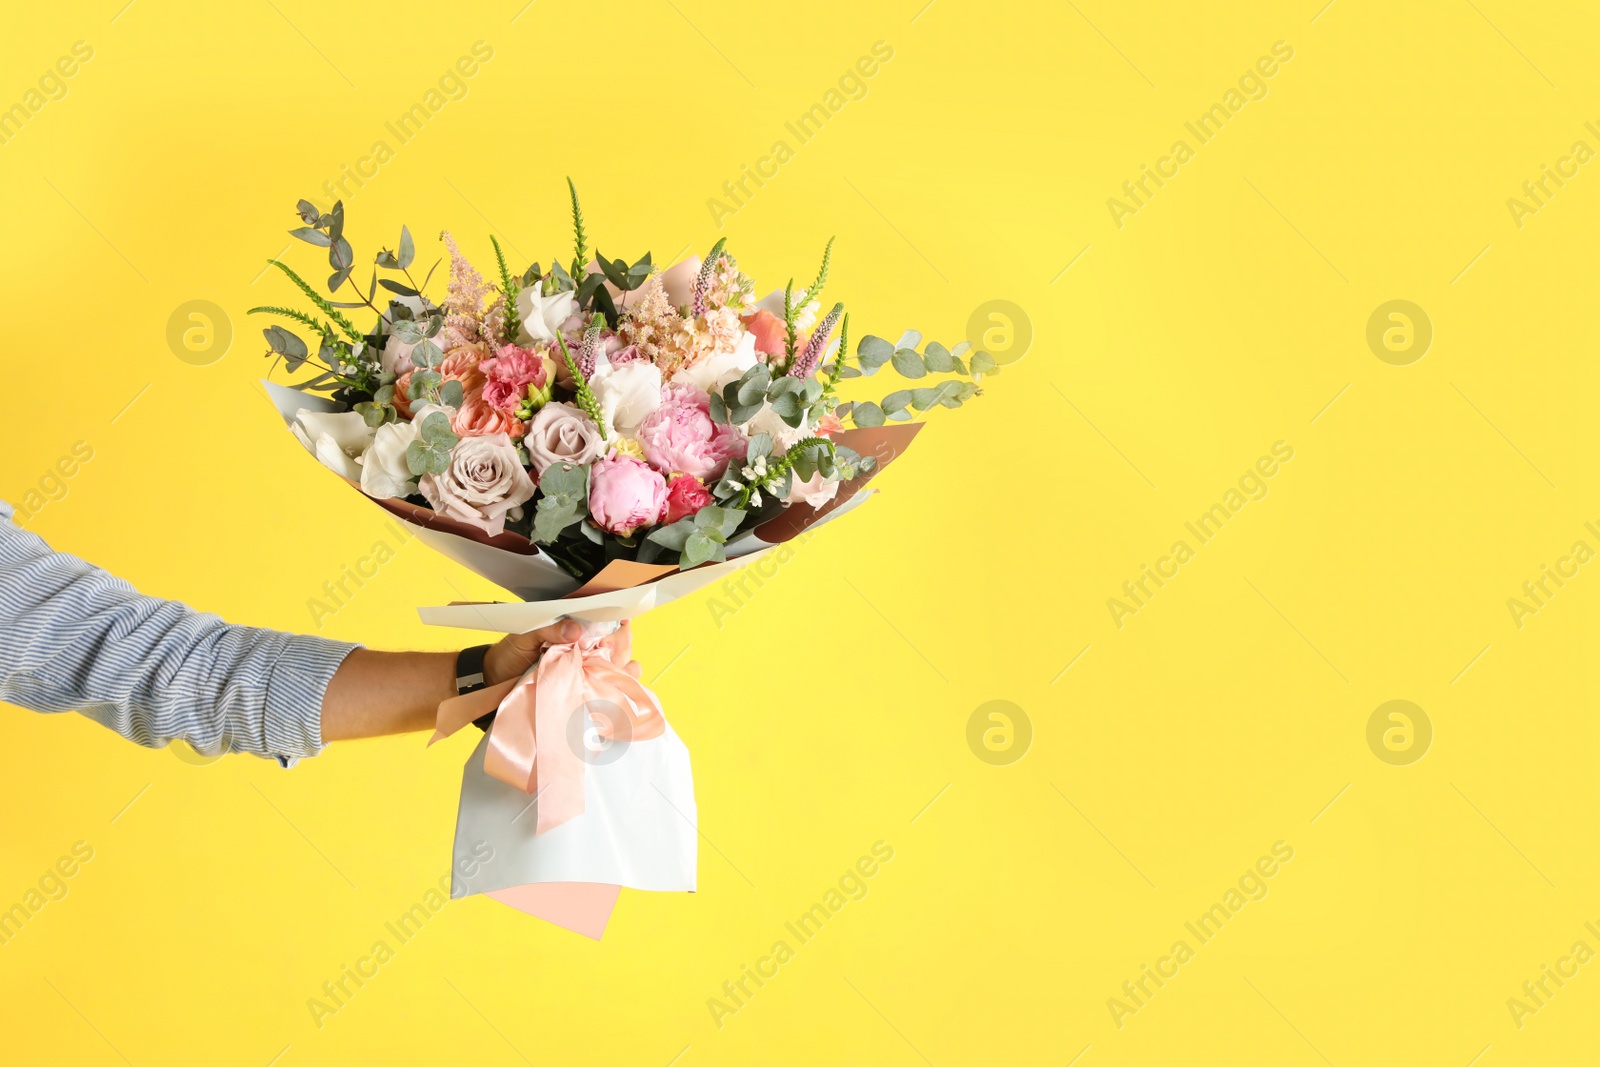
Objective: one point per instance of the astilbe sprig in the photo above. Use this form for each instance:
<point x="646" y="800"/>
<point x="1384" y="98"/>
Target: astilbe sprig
<point x="464" y="299"/>
<point x="702" y="281"/>
<point x="322" y="302"/>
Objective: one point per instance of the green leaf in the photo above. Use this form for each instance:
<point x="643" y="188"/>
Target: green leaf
<point x="872" y="353"/>
<point x="674" y="536"/>
<point x="427" y="354"/>
<point x="423" y="458"/>
<point x="983" y="363"/>
<point x="760" y="445"/>
<point x="698" y="548"/>
<point x="897" y="400"/>
<point x="719" y="410"/>
<point x="753" y="386"/>
<point x="724" y="520"/>
<point x="311" y="236"/>
<point x="923" y="399"/>
<point x="451" y="394"/>
<point x="308" y="212"/>
<point x="867" y="413"/>
<point x="937" y="358"/>
<point x="407" y="250"/>
<point x="435" y="429"/>
<point x="908" y="364"/>
<point x="396" y="287"/>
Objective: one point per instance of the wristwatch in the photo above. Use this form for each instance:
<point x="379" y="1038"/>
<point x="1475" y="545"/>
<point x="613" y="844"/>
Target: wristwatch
<point x="470" y="679"/>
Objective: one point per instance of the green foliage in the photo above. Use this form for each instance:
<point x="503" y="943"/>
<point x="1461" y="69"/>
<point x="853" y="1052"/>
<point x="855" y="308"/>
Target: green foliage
<point x="585" y="396"/>
<point x="700" y="537"/>
<point x="580" y="255"/>
<point x="815" y="292"/>
<point x="563" y="500"/>
<point x="509" y="288"/>
<point x="322" y="302"/>
<point x="430" y="452"/>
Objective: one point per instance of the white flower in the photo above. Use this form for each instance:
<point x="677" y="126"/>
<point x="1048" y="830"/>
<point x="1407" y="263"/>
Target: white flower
<point x="396" y="355"/>
<point x="542" y="315"/>
<point x="815" y="490"/>
<point x="768" y="422"/>
<point x="384" y="473"/>
<point x="628" y="394"/>
<point x="337" y="439"/>
<point x="718" y="369"/>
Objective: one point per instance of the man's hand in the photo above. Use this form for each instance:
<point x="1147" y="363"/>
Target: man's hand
<point x="513" y="654"/>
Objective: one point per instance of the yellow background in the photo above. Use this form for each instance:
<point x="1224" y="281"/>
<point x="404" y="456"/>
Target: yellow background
<point x="1229" y="713"/>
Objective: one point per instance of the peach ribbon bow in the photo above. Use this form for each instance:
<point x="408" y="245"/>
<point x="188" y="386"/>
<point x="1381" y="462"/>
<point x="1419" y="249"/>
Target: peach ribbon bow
<point x="534" y="743"/>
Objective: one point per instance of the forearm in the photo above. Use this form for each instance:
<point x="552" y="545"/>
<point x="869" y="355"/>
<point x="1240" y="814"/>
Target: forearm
<point x="373" y="694"/>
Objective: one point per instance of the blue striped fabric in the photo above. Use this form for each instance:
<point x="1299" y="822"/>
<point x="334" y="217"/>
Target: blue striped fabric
<point x="74" y="638"/>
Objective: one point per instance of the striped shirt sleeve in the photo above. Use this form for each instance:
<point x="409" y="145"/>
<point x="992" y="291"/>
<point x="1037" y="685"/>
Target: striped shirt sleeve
<point x="75" y="638"/>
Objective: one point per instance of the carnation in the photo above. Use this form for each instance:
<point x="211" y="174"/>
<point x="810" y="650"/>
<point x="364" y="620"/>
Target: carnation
<point x="508" y="375"/>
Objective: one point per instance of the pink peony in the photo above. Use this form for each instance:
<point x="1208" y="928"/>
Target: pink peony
<point x="508" y="374"/>
<point x="625" y="494"/>
<point x="685" y="495"/>
<point x="680" y="438"/>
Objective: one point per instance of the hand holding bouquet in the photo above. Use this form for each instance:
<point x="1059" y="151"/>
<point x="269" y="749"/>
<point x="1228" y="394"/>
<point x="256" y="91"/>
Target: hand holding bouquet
<point x="599" y="439"/>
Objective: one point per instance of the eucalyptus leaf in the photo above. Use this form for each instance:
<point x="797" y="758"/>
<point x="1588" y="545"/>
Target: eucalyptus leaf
<point x="897" y="401"/>
<point x="937" y="358"/>
<point x="908" y="364"/>
<point x="451" y="394"/>
<point x="311" y="236"/>
<point x="407" y="250"/>
<point x="872" y="353"/>
<point x="675" y="535"/>
<point x="396" y="287"/>
<point x="983" y="363"/>
<point x="867" y="413"/>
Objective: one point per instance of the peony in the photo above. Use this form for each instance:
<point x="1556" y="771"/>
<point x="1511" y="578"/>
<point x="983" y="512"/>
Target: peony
<point x="482" y="483"/>
<point x="815" y="491"/>
<point x="542" y="315"/>
<point x="681" y="438"/>
<point x="718" y="369"/>
<point x="625" y="494"/>
<point x="336" y="438"/>
<point x="686" y="495"/>
<point x="561" y="433"/>
<point x="509" y="375"/>
<point x="628" y="394"/>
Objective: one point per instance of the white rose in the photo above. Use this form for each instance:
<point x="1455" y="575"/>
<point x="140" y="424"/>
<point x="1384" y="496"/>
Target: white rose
<point x="628" y="394"/>
<point x="384" y="473"/>
<point x="815" y="491"/>
<point x="717" y="370"/>
<point x="338" y="439"/>
<point x="542" y="315"/>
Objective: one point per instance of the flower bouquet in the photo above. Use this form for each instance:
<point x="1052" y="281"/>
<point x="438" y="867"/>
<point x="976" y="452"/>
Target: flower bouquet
<point x="598" y="439"/>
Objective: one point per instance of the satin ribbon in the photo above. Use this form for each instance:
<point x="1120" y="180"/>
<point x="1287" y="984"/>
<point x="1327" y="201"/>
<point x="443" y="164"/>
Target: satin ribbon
<point x="533" y="744"/>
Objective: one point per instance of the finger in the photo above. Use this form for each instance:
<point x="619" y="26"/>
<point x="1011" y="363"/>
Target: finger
<point x="559" y="632"/>
<point x="620" y="643"/>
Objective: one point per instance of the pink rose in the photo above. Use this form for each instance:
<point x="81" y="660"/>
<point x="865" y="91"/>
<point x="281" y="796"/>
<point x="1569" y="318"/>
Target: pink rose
<point x="625" y="494"/>
<point x="483" y="482"/>
<point x="477" y="417"/>
<point x="507" y="377"/>
<point x="686" y="495"/>
<point x="561" y="433"/>
<point x="459" y="365"/>
<point x="680" y="438"/>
